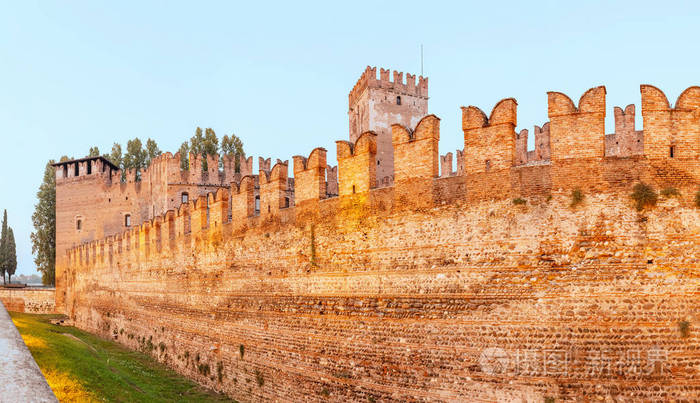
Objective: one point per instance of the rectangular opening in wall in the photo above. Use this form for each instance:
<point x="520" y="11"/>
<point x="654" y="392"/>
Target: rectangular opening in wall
<point x="89" y="167"/>
<point x="77" y="169"/>
<point x="671" y="151"/>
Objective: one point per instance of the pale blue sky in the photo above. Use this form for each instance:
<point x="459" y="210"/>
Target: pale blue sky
<point x="77" y="74"/>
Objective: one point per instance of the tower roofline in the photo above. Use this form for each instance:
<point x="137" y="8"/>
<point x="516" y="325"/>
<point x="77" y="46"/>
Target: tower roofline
<point x="100" y="158"/>
<point x="368" y="79"/>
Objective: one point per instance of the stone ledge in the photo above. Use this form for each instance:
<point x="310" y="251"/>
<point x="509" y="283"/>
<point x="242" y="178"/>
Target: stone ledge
<point x="21" y="379"/>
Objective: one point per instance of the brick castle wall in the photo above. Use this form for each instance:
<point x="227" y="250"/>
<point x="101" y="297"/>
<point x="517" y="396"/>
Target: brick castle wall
<point x="30" y="300"/>
<point x="438" y="287"/>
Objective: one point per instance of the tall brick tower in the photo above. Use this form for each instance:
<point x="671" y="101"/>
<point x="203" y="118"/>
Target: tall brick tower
<point x="375" y="104"/>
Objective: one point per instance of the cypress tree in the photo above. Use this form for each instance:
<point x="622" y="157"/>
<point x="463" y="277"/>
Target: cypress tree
<point x="11" y="254"/>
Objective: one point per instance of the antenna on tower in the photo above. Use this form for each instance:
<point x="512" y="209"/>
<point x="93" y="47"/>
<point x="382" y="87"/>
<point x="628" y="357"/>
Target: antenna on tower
<point x="421" y="59"/>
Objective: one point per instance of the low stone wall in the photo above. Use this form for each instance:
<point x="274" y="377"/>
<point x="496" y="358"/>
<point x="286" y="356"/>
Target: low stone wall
<point x="29" y="300"/>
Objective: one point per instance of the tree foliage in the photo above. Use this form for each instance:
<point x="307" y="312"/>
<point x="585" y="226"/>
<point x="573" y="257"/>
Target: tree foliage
<point x="11" y="254"/>
<point x="152" y="151"/>
<point x="205" y="142"/>
<point x="94" y="152"/>
<point x="44" y="220"/>
<point x="8" y="250"/>
<point x="135" y="157"/>
<point x="184" y="156"/>
<point x="115" y="157"/>
<point x="233" y="146"/>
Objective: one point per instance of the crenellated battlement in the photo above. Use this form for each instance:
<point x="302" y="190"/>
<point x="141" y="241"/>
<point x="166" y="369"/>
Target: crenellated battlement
<point x="489" y="137"/>
<point x="542" y="151"/>
<point x="310" y="177"/>
<point x="493" y="153"/>
<point x="88" y="166"/>
<point x="446" y="164"/>
<point x="244" y="259"/>
<point x="357" y="169"/>
<point x="369" y="79"/>
<point x="671" y="132"/>
<point x="577" y="131"/>
<point x="495" y="162"/>
<point x="571" y="151"/>
<point x="626" y="141"/>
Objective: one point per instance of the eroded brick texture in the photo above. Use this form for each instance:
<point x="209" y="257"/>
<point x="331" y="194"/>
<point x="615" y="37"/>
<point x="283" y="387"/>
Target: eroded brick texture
<point x="30" y="300"/>
<point x="437" y="288"/>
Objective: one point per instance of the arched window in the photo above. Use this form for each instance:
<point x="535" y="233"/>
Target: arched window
<point x="185" y="197"/>
<point x="127" y="220"/>
<point x="286" y="202"/>
<point x="79" y="224"/>
<point x="398" y="100"/>
<point x="257" y="204"/>
<point x="488" y="165"/>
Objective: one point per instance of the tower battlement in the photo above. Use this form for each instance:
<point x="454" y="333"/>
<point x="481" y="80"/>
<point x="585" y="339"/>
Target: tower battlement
<point x="374" y="104"/>
<point x="369" y="79"/>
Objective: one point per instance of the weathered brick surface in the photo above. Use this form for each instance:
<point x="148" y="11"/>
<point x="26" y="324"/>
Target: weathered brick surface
<point x="666" y="127"/>
<point x="30" y="300"/>
<point x="416" y="162"/>
<point x="438" y="288"/>
<point x="402" y="306"/>
<point x="577" y="132"/>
